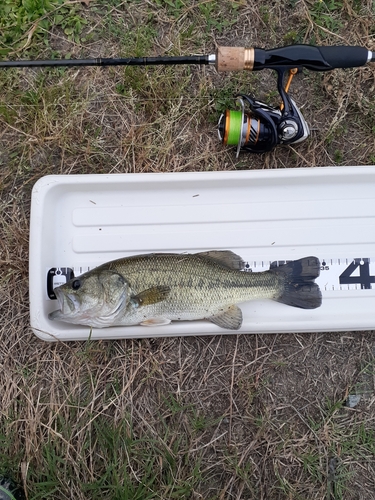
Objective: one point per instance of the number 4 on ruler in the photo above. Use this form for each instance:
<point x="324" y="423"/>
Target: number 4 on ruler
<point x="364" y="278"/>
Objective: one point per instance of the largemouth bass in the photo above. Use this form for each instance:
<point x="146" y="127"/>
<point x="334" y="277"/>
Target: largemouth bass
<point x="155" y="289"/>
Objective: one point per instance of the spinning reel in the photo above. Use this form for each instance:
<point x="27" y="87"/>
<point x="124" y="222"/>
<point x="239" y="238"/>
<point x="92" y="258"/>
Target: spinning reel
<point x="262" y="127"/>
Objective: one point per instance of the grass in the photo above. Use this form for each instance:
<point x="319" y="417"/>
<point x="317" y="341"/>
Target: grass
<point x="241" y="417"/>
<point x="25" y="23"/>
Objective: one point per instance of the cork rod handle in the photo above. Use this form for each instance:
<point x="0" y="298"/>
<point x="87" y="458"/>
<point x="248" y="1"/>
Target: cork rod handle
<point x="234" y="59"/>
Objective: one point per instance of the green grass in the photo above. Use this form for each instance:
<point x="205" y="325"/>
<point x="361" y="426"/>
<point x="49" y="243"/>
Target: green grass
<point x="327" y="14"/>
<point x="25" y="23"/>
<point x="115" y="463"/>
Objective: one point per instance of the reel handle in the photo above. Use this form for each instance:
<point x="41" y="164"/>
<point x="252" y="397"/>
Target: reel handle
<point x="291" y="56"/>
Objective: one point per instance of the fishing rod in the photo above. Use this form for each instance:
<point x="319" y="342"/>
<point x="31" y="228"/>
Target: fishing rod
<point x="257" y="127"/>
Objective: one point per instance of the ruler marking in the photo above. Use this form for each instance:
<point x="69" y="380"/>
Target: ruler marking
<point x="337" y="274"/>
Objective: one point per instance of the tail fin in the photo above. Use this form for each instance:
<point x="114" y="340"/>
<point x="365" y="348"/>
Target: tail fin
<point x="299" y="288"/>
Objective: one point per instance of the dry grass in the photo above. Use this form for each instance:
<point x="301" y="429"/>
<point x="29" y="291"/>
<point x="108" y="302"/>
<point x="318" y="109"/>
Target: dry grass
<point x="240" y="417"/>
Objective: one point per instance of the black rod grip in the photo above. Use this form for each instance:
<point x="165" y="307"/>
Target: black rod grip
<point x="310" y="57"/>
<point x="344" y="56"/>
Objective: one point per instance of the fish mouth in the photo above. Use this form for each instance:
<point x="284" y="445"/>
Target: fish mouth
<point x="68" y="303"/>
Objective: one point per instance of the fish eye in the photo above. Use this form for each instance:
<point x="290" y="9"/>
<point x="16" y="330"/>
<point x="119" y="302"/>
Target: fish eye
<point x="76" y="284"/>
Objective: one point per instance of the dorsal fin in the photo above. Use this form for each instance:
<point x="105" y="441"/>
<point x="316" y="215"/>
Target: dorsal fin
<point x="226" y="258"/>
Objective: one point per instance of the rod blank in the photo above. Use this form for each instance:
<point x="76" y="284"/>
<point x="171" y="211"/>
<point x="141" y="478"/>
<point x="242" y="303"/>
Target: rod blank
<point x="129" y="61"/>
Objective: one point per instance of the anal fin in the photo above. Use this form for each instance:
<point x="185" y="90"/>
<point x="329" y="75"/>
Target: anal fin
<point x="230" y="318"/>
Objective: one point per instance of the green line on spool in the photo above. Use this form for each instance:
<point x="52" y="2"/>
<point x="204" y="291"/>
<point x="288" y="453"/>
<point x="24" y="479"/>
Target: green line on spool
<point x="235" y="126"/>
<point x="7" y="492"/>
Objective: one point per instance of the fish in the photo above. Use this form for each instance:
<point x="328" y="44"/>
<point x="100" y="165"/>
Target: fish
<point x="158" y="288"/>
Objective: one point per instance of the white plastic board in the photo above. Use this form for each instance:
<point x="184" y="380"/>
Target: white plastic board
<point x="81" y="221"/>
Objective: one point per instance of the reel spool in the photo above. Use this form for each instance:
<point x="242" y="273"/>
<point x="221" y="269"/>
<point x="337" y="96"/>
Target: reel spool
<point x="261" y="128"/>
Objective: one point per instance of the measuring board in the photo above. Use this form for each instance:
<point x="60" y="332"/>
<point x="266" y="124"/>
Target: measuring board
<point x="267" y="217"/>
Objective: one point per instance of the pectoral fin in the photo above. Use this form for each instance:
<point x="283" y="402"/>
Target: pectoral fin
<point x="155" y="322"/>
<point x="230" y="318"/>
<point x="150" y="296"/>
